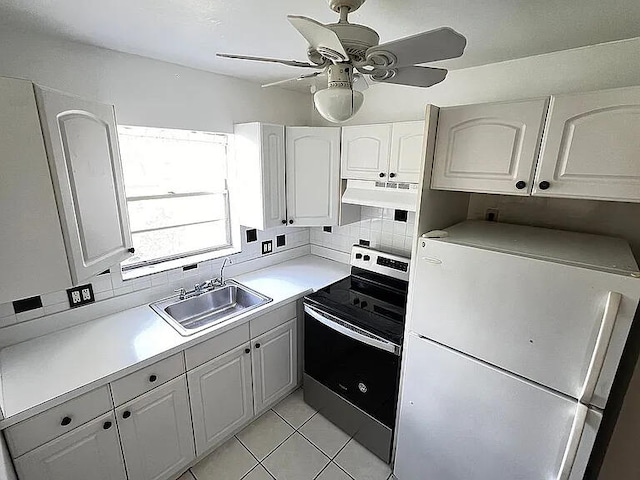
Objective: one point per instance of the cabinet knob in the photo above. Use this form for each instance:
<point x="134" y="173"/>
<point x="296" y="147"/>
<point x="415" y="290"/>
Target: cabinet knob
<point x="247" y="350"/>
<point x="544" y="185"/>
<point x="126" y="414"/>
<point x="106" y="425"/>
<point x="290" y="222"/>
<point x="521" y="184"/>
<point x="65" y="421"/>
<point x="382" y="175"/>
<point x="257" y="345"/>
<point x="392" y="175"/>
<point x="132" y="250"/>
<point x="284" y="222"/>
<point x="152" y="378"/>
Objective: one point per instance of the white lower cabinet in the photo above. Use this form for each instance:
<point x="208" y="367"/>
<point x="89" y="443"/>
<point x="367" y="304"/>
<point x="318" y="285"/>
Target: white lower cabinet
<point x="221" y="397"/>
<point x="275" y="365"/>
<point x="151" y="437"/>
<point x="90" y="452"/>
<point x="156" y="432"/>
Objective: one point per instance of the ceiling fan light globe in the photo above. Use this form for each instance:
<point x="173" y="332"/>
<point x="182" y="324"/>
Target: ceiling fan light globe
<point x="338" y="104"/>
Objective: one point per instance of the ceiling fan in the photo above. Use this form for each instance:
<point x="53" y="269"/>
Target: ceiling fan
<point x="348" y="53"/>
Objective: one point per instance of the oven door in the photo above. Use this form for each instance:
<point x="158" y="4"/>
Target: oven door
<point x="360" y="367"/>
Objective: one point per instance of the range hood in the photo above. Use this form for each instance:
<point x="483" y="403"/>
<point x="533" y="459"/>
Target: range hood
<point x="399" y="196"/>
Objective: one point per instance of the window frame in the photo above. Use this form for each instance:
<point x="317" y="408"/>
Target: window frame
<point x="148" y="267"/>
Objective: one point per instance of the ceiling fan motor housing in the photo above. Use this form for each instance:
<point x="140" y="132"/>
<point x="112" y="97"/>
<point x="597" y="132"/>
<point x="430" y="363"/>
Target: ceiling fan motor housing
<point x="355" y="39"/>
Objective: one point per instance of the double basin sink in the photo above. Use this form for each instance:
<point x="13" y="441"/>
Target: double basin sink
<point x="203" y="310"/>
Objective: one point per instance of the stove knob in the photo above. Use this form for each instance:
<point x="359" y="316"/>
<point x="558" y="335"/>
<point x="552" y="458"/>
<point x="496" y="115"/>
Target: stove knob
<point x="363" y="305"/>
<point x="366" y="258"/>
<point x="356" y="301"/>
<point x="358" y="256"/>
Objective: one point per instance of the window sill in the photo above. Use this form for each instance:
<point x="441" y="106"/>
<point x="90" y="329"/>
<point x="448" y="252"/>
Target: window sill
<point x="147" y="270"/>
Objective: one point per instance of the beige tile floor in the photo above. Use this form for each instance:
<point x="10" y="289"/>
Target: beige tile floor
<point x="290" y="442"/>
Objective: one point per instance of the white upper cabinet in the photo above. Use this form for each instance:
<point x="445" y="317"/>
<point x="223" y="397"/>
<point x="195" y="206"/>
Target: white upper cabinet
<point x="406" y="152"/>
<point x="313" y="176"/>
<point x="365" y="151"/>
<point x="82" y="144"/>
<point x="156" y="432"/>
<point x="383" y="152"/>
<point x="260" y="175"/>
<point x="489" y="148"/>
<point x="592" y="147"/>
<point x="28" y="213"/>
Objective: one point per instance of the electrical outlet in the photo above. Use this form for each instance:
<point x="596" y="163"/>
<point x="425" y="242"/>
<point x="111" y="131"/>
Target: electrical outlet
<point x="80" y="295"/>
<point x="267" y="247"/>
<point x="280" y="241"/>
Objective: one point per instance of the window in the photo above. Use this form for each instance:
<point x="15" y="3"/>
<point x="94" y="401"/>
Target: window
<point x="177" y="193"/>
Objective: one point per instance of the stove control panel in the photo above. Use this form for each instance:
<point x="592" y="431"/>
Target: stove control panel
<point x="381" y="262"/>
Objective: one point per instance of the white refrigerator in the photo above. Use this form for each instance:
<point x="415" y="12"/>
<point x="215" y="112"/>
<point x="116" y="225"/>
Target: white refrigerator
<point x="514" y="336"/>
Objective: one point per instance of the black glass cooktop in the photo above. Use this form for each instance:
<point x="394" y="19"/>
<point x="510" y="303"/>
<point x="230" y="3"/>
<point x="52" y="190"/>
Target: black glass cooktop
<point x="371" y="301"/>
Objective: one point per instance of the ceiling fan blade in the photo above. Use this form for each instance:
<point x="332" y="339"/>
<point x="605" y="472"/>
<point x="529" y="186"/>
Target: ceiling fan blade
<point x="415" y="76"/>
<point x="439" y="44"/>
<point x="292" y="80"/>
<point x="321" y="38"/>
<point x="291" y="63"/>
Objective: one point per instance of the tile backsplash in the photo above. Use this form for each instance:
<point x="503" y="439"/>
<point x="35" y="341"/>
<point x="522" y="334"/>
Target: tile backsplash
<point x="377" y="227"/>
<point x="111" y="285"/>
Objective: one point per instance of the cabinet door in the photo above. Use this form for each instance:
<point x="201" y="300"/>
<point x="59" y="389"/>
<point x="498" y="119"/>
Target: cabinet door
<point x="82" y="143"/>
<point x="259" y="175"/>
<point x="490" y="148"/>
<point x="90" y="452"/>
<point x="29" y="265"/>
<point x="221" y="397"/>
<point x="273" y="175"/>
<point x="156" y="432"/>
<point x="313" y="176"/>
<point x="365" y="151"/>
<point x="275" y="365"/>
<point x="591" y="147"/>
<point x="406" y="152"/>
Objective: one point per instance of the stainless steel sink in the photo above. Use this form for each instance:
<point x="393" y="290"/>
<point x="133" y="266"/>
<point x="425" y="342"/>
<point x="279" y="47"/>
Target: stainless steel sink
<point x="209" y="308"/>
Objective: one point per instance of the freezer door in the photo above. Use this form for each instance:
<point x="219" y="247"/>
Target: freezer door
<point x="461" y="419"/>
<point x="535" y="318"/>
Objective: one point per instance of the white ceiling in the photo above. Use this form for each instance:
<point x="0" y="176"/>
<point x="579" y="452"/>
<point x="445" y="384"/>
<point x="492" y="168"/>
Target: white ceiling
<point x="190" y="32"/>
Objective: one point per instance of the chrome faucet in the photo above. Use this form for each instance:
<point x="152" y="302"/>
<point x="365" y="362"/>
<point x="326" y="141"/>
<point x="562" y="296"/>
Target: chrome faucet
<point x="220" y="280"/>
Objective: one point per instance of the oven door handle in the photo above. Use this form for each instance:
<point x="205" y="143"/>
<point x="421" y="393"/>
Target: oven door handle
<point x="351" y="331"/>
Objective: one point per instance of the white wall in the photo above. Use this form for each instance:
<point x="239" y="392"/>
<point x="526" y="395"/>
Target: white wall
<point x="597" y="67"/>
<point x="144" y="91"/>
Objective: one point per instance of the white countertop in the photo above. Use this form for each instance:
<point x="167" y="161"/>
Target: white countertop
<point x="49" y="370"/>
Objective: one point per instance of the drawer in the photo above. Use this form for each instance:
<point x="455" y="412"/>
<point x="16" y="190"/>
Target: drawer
<point x="216" y="346"/>
<point x="273" y="319"/>
<point x="147" y="378"/>
<point x="39" y="429"/>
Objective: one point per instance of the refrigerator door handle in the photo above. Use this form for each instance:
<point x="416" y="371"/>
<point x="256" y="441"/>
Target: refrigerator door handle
<point x="600" y="350"/>
<point x="571" y="451"/>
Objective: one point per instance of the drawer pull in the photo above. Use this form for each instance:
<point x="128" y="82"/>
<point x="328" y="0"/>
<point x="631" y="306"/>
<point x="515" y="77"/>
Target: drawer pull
<point x="126" y="414"/>
<point x="106" y="425"/>
<point x="65" y="421"/>
<point x="152" y="378"/>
